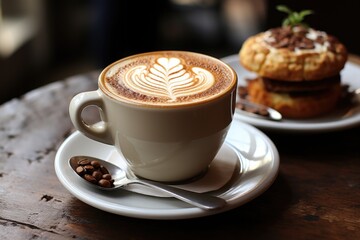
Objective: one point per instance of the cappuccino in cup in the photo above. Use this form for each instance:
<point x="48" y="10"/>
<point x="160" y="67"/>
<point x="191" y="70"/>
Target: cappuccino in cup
<point x="166" y="112"/>
<point x="167" y="79"/>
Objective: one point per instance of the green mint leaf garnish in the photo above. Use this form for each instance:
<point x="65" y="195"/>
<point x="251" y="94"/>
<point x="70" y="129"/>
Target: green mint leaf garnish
<point x="293" y="18"/>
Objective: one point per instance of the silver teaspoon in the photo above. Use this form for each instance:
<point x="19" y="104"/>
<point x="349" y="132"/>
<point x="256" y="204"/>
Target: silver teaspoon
<point x="258" y="110"/>
<point x="121" y="179"/>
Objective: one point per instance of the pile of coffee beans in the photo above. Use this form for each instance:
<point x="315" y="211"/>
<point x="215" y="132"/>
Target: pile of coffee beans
<point x="93" y="172"/>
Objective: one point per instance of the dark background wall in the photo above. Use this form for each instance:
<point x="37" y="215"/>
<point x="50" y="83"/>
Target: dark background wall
<point x="76" y="36"/>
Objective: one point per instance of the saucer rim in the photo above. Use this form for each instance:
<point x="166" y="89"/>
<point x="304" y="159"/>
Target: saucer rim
<point x="185" y="212"/>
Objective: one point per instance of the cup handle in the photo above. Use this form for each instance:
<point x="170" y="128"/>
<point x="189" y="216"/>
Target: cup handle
<point x="98" y="131"/>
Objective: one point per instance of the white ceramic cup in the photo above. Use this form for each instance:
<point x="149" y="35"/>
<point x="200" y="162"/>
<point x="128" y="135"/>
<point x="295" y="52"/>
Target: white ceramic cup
<point x="160" y="142"/>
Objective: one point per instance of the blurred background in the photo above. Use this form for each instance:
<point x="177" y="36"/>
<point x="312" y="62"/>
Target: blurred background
<point x="42" y="41"/>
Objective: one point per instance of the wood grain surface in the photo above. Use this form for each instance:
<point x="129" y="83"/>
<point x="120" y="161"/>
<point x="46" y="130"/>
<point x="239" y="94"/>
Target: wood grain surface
<point x="315" y="196"/>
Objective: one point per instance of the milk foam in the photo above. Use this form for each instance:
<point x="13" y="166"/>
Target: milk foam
<point x="167" y="78"/>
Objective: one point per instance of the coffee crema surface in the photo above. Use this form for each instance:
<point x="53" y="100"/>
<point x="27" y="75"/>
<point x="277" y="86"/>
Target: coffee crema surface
<point x="167" y="78"/>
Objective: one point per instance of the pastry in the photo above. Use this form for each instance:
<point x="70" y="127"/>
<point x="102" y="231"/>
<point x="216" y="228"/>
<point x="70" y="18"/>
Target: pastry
<point x="298" y="70"/>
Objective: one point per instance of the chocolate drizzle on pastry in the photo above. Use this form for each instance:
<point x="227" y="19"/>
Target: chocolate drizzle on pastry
<point x="299" y="38"/>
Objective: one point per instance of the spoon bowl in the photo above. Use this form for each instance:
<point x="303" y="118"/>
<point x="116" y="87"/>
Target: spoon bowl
<point x="120" y="179"/>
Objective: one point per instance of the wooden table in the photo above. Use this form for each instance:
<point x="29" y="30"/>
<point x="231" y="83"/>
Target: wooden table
<point x="315" y="196"/>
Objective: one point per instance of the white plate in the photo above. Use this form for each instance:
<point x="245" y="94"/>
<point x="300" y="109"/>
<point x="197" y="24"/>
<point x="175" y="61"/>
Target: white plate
<point x="258" y="159"/>
<point x="350" y="75"/>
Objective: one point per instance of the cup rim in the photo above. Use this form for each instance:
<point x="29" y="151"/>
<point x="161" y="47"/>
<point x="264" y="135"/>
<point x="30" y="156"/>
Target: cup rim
<point x="126" y="101"/>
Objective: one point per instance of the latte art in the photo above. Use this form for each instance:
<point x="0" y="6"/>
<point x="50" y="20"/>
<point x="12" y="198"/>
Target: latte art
<point x="168" y="78"/>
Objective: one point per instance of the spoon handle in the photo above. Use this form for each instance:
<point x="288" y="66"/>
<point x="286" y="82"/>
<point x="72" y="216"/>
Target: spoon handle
<point x="204" y="201"/>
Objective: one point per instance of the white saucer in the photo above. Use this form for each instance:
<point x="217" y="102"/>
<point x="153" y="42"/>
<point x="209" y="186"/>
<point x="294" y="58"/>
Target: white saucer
<point x="222" y="169"/>
<point x="330" y="122"/>
<point x="259" y="164"/>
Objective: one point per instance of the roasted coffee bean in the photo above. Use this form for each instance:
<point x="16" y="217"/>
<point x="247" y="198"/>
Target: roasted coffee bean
<point x="105" y="183"/>
<point x="90" y="178"/>
<point x="98" y="175"/>
<point x="94" y="172"/>
<point x="95" y="164"/>
<point x="84" y="162"/>
<point x="80" y="170"/>
<point x="106" y="176"/>
<point x="89" y="169"/>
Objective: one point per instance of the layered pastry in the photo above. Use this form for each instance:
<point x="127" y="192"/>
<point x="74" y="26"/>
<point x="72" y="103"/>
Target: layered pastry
<point x="298" y="70"/>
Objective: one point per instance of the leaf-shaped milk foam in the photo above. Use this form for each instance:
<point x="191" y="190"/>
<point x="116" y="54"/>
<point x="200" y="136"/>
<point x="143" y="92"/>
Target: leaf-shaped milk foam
<point x="168" y="78"/>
